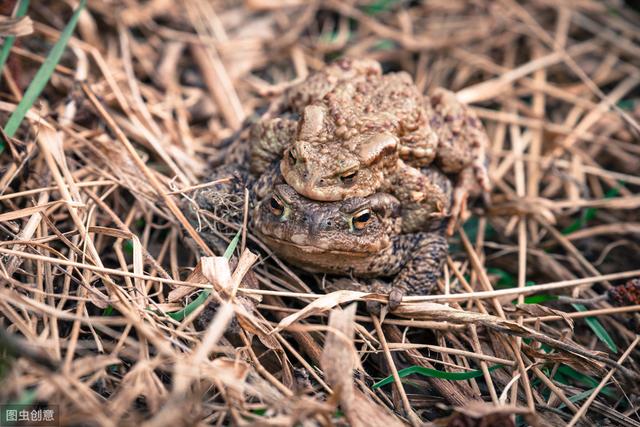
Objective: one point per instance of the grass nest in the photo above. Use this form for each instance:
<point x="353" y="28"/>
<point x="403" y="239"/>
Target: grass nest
<point x="115" y="311"/>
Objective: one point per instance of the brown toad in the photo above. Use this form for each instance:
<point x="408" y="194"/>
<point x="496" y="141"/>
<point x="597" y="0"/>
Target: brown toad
<point x="350" y="131"/>
<point x="358" y="236"/>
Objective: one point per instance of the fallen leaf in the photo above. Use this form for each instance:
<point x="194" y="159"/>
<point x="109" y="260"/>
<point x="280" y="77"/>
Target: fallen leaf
<point x="339" y="356"/>
<point x="320" y="305"/>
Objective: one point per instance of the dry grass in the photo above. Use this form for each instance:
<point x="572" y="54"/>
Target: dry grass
<point x="95" y="248"/>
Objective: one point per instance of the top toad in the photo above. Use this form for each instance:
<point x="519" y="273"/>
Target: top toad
<point x="351" y="131"/>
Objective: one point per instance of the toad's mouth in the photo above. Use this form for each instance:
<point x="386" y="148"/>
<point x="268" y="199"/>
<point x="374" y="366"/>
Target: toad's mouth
<point x="310" y="249"/>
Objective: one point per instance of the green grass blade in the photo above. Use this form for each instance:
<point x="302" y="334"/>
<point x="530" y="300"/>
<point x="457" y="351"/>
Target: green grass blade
<point x="42" y="77"/>
<point x="232" y="245"/>
<point x="578" y="397"/>
<point x="505" y="279"/>
<point x="627" y="104"/>
<point x="8" y="42"/>
<point x="433" y="373"/>
<point x="189" y="308"/>
<point x="598" y="329"/>
<point x="378" y="6"/>
<point x="581" y="396"/>
<point x="566" y="372"/>
<point x="385" y="44"/>
<point x="537" y="299"/>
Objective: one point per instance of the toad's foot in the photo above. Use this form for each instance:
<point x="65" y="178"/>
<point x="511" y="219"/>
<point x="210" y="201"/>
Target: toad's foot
<point x="419" y="275"/>
<point x="375" y="286"/>
<point x="384" y="288"/>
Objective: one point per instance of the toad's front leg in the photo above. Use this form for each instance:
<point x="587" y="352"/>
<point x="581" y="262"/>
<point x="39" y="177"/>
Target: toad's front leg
<point x="462" y="145"/>
<point x="269" y="139"/>
<point x="424" y="195"/>
<point x="425" y="254"/>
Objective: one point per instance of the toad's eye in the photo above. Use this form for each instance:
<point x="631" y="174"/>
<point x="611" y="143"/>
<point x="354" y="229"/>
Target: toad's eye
<point x="349" y="177"/>
<point x="293" y="159"/>
<point x="361" y="219"/>
<point x="276" y="206"/>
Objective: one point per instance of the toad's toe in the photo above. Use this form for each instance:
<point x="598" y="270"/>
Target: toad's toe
<point x="395" y="299"/>
<point x="459" y="208"/>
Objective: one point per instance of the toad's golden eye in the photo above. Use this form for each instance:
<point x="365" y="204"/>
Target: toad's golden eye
<point x="361" y="219"/>
<point x="349" y="177"/>
<point x="293" y="158"/>
<point x="276" y="206"/>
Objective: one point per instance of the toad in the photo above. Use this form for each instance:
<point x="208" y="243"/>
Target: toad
<point x="357" y="236"/>
<point x="351" y="131"/>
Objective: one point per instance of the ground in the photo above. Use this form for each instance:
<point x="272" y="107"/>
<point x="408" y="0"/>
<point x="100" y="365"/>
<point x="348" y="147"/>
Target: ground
<point x="115" y="113"/>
